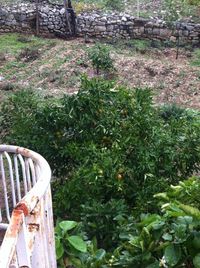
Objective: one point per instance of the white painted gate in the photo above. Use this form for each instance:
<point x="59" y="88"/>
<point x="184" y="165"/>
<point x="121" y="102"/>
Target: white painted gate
<point x="25" y="210"/>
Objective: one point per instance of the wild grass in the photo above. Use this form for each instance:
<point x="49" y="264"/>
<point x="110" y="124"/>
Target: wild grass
<point x="196" y="58"/>
<point x="14" y="43"/>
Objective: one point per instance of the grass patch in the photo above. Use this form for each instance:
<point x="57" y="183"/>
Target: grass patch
<point x="12" y="68"/>
<point x="196" y="58"/>
<point x="14" y="43"/>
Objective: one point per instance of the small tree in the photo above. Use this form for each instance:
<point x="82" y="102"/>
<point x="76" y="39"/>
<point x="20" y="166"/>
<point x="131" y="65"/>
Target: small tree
<point x="100" y="57"/>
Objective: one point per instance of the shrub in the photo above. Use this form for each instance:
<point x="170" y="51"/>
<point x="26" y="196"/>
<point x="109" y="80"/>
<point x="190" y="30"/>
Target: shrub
<point x="99" y="221"/>
<point x="108" y="145"/>
<point x="29" y="54"/>
<point x="168" y="239"/>
<point x="6" y="86"/>
<point x="176" y="10"/>
<point x="86" y="6"/>
<point x="170" y="111"/>
<point x="194" y="2"/>
<point x="100" y="57"/>
<point x="114" y="4"/>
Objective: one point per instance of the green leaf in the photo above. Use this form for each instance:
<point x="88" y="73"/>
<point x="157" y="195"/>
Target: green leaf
<point x="167" y="237"/>
<point x="154" y="265"/>
<point x="196" y="261"/>
<point x="172" y="254"/>
<point x="192" y="211"/>
<point x="67" y="225"/>
<point x="100" y="254"/>
<point x="78" y="243"/>
<point x="59" y="249"/>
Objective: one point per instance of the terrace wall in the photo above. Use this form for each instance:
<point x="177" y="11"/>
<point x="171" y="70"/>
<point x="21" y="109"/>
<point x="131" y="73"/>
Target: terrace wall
<point x="52" y="21"/>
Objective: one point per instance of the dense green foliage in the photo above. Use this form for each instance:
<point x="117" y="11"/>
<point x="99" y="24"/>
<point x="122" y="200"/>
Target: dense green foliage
<point x="167" y="239"/>
<point x="111" y="150"/>
<point x="114" y="4"/>
<point x="100" y="57"/>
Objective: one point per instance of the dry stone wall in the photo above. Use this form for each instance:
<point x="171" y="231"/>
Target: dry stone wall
<point x="126" y="26"/>
<point x="52" y="21"/>
<point x="22" y="18"/>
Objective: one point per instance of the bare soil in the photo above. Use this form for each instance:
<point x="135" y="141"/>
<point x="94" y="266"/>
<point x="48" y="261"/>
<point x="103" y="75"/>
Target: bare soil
<point x="58" y="69"/>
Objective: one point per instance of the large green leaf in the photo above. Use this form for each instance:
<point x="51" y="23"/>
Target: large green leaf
<point x="172" y="254"/>
<point x="196" y="261"/>
<point x="78" y="243"/>
<point x="67" y="225"/>
<point x="59" y="249"/>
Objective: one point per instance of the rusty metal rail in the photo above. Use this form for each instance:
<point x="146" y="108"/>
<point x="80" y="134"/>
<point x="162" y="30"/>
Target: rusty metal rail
<point x="25" y="210"/>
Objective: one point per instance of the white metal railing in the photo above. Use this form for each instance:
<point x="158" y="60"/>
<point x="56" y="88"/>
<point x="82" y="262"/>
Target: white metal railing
<point x="25" y="210"/>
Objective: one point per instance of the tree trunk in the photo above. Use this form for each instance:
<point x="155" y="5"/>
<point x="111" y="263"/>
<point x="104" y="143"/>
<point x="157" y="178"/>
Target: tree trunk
<point x="68" y="25"/>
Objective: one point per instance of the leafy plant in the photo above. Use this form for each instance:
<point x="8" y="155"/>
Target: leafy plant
<point x="68" y="243"/>
<point x="176" y="10"/>
<point x="99" y="221"/>
<point x="170" y="111"/>
<point x="114" y="4"/>
<point x="100" y="57"/>
<point x="166" y="240"/>
<point x="73" y="247"/>
<point x="29" y="54"/>
<point x="108" y="147"/>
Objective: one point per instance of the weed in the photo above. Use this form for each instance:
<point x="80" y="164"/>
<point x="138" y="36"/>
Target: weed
<point x="196" y="58"/>
<point x="7" y="86"/>
<point x="140" y="45"/>
<point x="29" y="54"/>
<point x="2" y="57"/>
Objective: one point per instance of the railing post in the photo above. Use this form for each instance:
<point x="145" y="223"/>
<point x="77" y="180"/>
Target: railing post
<point x="22" y="247"/>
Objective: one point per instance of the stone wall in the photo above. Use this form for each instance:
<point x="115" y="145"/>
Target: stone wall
<point x="22" y="18"/>
<point x="126" y="26"/>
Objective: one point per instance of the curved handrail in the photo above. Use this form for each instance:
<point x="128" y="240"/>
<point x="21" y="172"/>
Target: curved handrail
<point x="30" y="200"/>
<point x="34" y="210"/>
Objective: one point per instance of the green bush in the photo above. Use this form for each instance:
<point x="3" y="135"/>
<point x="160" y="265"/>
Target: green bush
<point x="109" y="146"/>
<point x="194" y="2"/>
<point x="99" y="220"/>
<point x="114" y="4"/>
<point x="167" y="239"/>
<point x="100" y="57"/>
<point x="177" y="9"/>
<point x="172" y="111"/>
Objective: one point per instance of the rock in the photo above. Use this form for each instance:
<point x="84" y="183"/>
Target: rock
<point x="1" y="78"/>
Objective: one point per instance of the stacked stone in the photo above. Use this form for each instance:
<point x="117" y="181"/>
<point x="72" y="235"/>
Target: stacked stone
<point x="125" y="26"/>
<point x="52" y="20"/>
<point x="188" y="32"/>
<point x="17" y="17"/>
<point x="22" y="18"/>
<point x="105" y="25"/>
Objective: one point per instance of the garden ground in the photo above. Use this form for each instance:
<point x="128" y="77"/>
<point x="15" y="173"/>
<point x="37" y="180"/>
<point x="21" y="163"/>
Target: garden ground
<point x="54" y="67"/>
